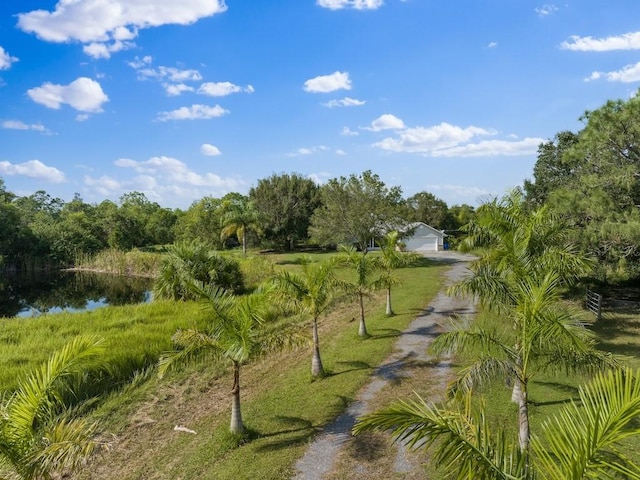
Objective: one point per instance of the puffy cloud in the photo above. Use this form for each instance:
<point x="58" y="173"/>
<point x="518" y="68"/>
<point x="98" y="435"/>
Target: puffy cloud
<point x="356" y="4"/>
<point x="170" y="74"/>
<point x="348" y="132"/>
<point x="345" y="102"/>
<point x="19" y="125"/>
<point x="221" y="89"/>
<point x="174" y="89"/>
<point x="546" y="9"/>
<point x="112" y="22"/>
<point x="328" y="83"/>
<point x="627" y="74"/>
<point x="628" y="41"/>
<point x="210" y="150"/>
<point x="6" y="60"/>
<point x="194" y="112"/>
<point x="492" y="45"/>
<point x="429" y="139"/>
<point x="104" y="50"/>
<point x="386" y="122"/>
<point x="33" y="169"/>
<point x="83" y="94"/>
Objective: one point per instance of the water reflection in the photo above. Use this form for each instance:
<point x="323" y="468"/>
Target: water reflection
<point x="34" y="293"/>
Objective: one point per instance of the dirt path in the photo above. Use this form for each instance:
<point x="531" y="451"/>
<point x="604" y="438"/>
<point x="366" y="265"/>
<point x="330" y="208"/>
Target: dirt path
<point x="411" y="346"/>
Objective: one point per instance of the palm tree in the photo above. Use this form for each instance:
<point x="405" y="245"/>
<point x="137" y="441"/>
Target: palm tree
<point x="364" y="266"/>
<point x="581" y="441"/>
<point x="38" y="438"/>
<point x="311" y="292"/>
<point x="235" y="332"/>
<point x="519" y="276"/>
<point x="392" y="259"/>
<point x="240" y="217"/>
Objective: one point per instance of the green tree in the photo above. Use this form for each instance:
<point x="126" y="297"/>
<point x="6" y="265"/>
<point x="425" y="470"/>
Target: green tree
<point x="364" y="267"/>
<point x="582" y="441"/>
<point x="239" y="217"/>
<point x="427" y="208"/>
<point x="525" y="264"/>
<point x="38" y="436"/>
<point x="356" y="210"/>
<point x="234" y="331"/>
<point x="392" y="259"/>
<point x="202" y="222"/>
<point x="286" y="203"/>
<point x="194" y="261"/>
<point x="311" y="292"/>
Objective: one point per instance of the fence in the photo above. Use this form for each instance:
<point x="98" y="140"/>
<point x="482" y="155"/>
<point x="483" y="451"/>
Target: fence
<point x="594" y="303"/>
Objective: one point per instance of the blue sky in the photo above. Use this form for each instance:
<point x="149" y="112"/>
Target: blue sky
<point x="184" y="99"/>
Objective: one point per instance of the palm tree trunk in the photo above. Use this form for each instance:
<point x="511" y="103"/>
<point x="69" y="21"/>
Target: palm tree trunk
<point x="362" y="328"/>
<point x="389" y="310"/>
<point x="523" y="416"/>
<point x="244" y="242"/>
<point x="236" y="415"/>
<point x="316" y="362"/>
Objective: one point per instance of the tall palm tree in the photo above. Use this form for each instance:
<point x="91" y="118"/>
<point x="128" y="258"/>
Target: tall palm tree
<point x="235" y="331"/>
<point x="239" y="218"/>
<point x="311" y="292"/>
<point x="38" y="436"/>
<point x="581" y="441"/>
<point x="364" y="266"/>
<point x="524" y="264"/>
<point x="391" y="259"/>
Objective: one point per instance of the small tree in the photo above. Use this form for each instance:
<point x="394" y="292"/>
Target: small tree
<point x="39" y="439"/>
<point x="240" y="216"/>
<point x="311" y="292"/>
<point x="234" y="331"/>
<point x="392" y="258"/>
<point x="364" y="267"/>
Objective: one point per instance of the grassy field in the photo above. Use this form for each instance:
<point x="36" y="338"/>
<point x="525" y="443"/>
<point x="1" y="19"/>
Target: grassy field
<point x="282" y="406"/>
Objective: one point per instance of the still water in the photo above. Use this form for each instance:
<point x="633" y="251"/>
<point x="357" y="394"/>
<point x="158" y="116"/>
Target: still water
<point x="35" y="293"/>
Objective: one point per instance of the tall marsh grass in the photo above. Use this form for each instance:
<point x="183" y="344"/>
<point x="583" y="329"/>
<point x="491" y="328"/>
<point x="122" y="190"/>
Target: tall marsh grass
<point x="134" y="262"/>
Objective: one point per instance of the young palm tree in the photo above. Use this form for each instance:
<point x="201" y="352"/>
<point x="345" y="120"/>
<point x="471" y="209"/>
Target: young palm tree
<point x="38" y="439"/>
<point x="235" y="332"/>
<point x="582" y="441"/>
<point x="240" y="218"/>
<point x="311" y="292"/>
<point x="523" y="267"/>
<point x="364" y="266"/>
<point x="392" y="259"/>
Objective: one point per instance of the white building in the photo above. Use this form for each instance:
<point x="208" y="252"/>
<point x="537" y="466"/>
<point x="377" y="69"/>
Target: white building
<point x="424" y="238"/>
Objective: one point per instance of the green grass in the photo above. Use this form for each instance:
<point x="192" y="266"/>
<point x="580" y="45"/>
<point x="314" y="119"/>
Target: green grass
<point x="283" y="407"/>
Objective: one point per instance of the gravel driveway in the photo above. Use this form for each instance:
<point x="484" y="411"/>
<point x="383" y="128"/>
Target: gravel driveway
<point x="412" y="344"/>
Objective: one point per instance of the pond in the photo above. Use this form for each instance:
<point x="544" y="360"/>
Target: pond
<point x="34" y="293"/>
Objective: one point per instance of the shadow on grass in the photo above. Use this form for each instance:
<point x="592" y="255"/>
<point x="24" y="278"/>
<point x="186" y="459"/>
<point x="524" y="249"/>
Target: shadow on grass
<point x="388" y="332"/>
<point x="355" y="365"/>
<point x="562" y="388"/>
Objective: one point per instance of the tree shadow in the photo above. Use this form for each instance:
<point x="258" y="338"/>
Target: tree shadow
<point x="389" y="332"/>
<point x="355" y="365"/>
<point x="570" y="390"/>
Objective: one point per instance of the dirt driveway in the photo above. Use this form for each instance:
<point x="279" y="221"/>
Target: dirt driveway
<point x="319" y="460"/>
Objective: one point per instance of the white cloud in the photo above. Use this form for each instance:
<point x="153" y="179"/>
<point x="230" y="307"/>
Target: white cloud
<point x="344" y="102"/>
<point x="194" y="112"/>
<point x="104" y="50"/>
<point x="429" y="140"/>
<point x="492" y="45"/>
<point x="18" y="125"/>
<point x="546" y="9"/>
<point x="385" y="122"/>
<point x="309" y="150"/>
<point x="328" y="83"/>
<point x="340" y="152"/>
<point x="320" y="177"/>
<point x="627" y="41"/>
<point x="221" y="89"/>
<point x="460" y="193"/>
<point x="83" y="94"/>
<point x="174" y="89"/>
<point x="356" y="4"/>
<point x="33" y="169"/>
<point x="171" y="74"/>
<point x="348" y="132"/>
<point x="112" y="21"/>
<point x="210" y="150"/>
<point x="138" y="63"/>
<point x="6" y="60"/>
<point x="627" y="74"/>
<point x="493" y="148"/>
<point x="82" y="117"/>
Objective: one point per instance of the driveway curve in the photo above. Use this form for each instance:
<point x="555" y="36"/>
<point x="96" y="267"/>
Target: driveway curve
<point x="411" y="345"/>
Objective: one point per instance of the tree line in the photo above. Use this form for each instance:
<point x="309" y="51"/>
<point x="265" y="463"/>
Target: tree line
<point x="280" y="212"/>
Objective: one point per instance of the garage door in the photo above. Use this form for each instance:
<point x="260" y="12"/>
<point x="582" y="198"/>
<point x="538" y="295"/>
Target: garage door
<point x="424" y="244"/>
